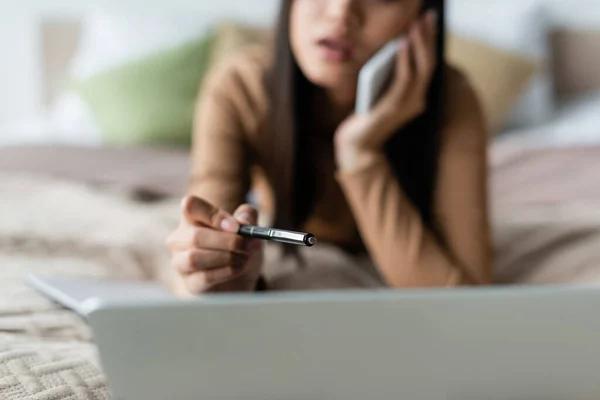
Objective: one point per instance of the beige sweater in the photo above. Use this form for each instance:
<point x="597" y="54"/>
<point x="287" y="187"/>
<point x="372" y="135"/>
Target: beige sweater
<point x="364" y="207"/>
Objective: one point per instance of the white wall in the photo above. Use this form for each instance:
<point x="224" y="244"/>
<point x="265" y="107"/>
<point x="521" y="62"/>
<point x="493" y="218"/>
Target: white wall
<point x="20" y="44"/>
<point x="19" y="72"/>
<point x="20" y="65"/>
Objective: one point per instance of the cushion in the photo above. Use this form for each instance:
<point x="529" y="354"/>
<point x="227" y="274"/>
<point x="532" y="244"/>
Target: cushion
<point x="150" y="100"/>
<point x="576" y="57"/>
<point x="499" y="77"/>
<point x="113" y="36"/>
<point x="519" y="26"/>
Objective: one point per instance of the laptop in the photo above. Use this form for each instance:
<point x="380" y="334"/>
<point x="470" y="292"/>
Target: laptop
<point x="80" y="294"/>
<point x="458" y="344"/>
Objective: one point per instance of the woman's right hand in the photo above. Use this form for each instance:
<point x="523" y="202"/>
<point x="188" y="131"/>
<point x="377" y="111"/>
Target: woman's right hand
<point x="207" y="253"/>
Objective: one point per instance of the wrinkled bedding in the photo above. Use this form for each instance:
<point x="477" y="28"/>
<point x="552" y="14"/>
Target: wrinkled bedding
<point x="54" y="227"/>
<point x="546" y="205"/>
<point x="546" y="214"/>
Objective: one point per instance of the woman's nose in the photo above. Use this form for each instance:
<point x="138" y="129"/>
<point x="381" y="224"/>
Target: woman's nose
<point x="347" y="11"/>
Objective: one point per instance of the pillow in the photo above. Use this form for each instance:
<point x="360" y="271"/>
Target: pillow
<point x="232" y="36"/>
<point x="518" y="26"/>
<point x="115" y="36"/>
<point x="151" y="100"/>
<point x="499" y="77"/>
<point x="111" y="38"/>
<point x="576" y="61"/>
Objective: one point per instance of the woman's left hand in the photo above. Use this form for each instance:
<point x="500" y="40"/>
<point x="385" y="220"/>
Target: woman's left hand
<point x="361" y="136"/>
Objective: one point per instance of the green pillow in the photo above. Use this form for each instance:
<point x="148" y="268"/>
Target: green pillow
<point x="149" y="101"/>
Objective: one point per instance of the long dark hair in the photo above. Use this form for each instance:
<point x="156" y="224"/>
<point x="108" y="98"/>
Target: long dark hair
<point x="412" y="152"/>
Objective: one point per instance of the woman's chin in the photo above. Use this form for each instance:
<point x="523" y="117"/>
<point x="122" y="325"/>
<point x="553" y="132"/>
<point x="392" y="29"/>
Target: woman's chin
<point x="333" y="77"/>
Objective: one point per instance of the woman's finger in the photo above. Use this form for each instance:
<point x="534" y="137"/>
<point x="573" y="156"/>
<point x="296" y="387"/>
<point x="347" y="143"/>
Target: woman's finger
<point x="193" y="261"/>
<point x="201" y="282"/>
<point x="189" y="237"/>
<point x="422" y="54"/>
<point x="404" y="71"/>
<point x="209" y="239"/>
<point x="200" y="212"/>
<point x="246" y="214"/>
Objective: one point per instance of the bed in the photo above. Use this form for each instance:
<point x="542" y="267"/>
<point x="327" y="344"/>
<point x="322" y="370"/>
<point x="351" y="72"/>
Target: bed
<point x="123" y="202"/>
<point x="546" y="229"/>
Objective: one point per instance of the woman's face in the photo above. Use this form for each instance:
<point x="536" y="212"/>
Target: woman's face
<point x="332" y="39"/>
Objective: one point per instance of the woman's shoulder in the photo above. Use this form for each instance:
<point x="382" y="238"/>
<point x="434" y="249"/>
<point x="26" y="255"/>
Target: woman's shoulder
<point x="240" y="80"/>
<point x="462" y="103"/>
<point x="458" y="85"/>
<point x="249" y="63"/>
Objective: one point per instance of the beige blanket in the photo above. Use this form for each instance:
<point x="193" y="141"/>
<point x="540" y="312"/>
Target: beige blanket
<point x="546" y="204"/>
<point x="55" y="227"/>
<point x="52" y="227"/>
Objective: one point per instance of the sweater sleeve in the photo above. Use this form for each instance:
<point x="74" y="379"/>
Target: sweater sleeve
<point x="406" y="253"/>
<point x="220" y="161"/>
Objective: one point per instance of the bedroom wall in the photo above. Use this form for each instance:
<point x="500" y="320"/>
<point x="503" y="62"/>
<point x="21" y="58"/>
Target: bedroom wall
<point x="21" y="89"/>
<point x="20" y="71"/>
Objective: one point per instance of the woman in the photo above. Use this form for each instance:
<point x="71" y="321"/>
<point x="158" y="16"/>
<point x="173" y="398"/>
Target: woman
<point x="405" y="183"/>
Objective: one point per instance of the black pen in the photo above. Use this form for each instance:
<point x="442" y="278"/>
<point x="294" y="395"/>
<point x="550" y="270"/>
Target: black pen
<point x="278" y="235"/>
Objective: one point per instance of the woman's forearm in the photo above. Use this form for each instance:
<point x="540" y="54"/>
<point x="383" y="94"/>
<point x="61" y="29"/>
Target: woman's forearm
<point x="402" y="247"/>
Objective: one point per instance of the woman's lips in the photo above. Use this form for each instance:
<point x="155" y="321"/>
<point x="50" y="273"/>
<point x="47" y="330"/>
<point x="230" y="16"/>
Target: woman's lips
<point x="336" y="50"/>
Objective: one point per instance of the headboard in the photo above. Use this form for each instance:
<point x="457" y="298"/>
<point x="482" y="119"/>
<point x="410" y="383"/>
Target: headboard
<point x="59" y="44"/>
<point x="576" y="62"/>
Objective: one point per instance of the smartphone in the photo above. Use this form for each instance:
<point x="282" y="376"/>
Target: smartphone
<point x="375" y="75"/>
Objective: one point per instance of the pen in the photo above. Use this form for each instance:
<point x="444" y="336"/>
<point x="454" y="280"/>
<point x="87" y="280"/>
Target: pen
<point x="278" y="235"/>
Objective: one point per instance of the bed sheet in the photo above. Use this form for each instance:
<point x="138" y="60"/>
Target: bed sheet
<point x="546" y="213"/>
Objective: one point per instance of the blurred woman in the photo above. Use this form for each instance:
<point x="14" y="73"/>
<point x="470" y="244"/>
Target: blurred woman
<point x="404" y="184"/>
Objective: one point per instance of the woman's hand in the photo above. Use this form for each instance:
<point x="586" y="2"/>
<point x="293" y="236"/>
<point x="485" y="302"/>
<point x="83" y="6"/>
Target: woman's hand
<point x="209" y="255"/>
<point x="361" y="135"/>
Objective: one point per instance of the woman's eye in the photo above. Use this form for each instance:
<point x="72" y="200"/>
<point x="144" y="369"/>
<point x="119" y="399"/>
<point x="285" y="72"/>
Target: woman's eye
<point x="373" y="2"/>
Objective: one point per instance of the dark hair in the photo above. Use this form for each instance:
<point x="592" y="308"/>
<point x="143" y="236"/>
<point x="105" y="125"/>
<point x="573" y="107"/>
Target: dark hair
<point x="412" y="152"/>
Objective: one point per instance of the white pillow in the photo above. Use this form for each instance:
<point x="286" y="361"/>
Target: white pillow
<point x="72" y="121"/>
<point x="73" y="126"/>
<point x="69" y="122"/>
<point x="577" y="123"/>
<point x="515" y="25"/>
